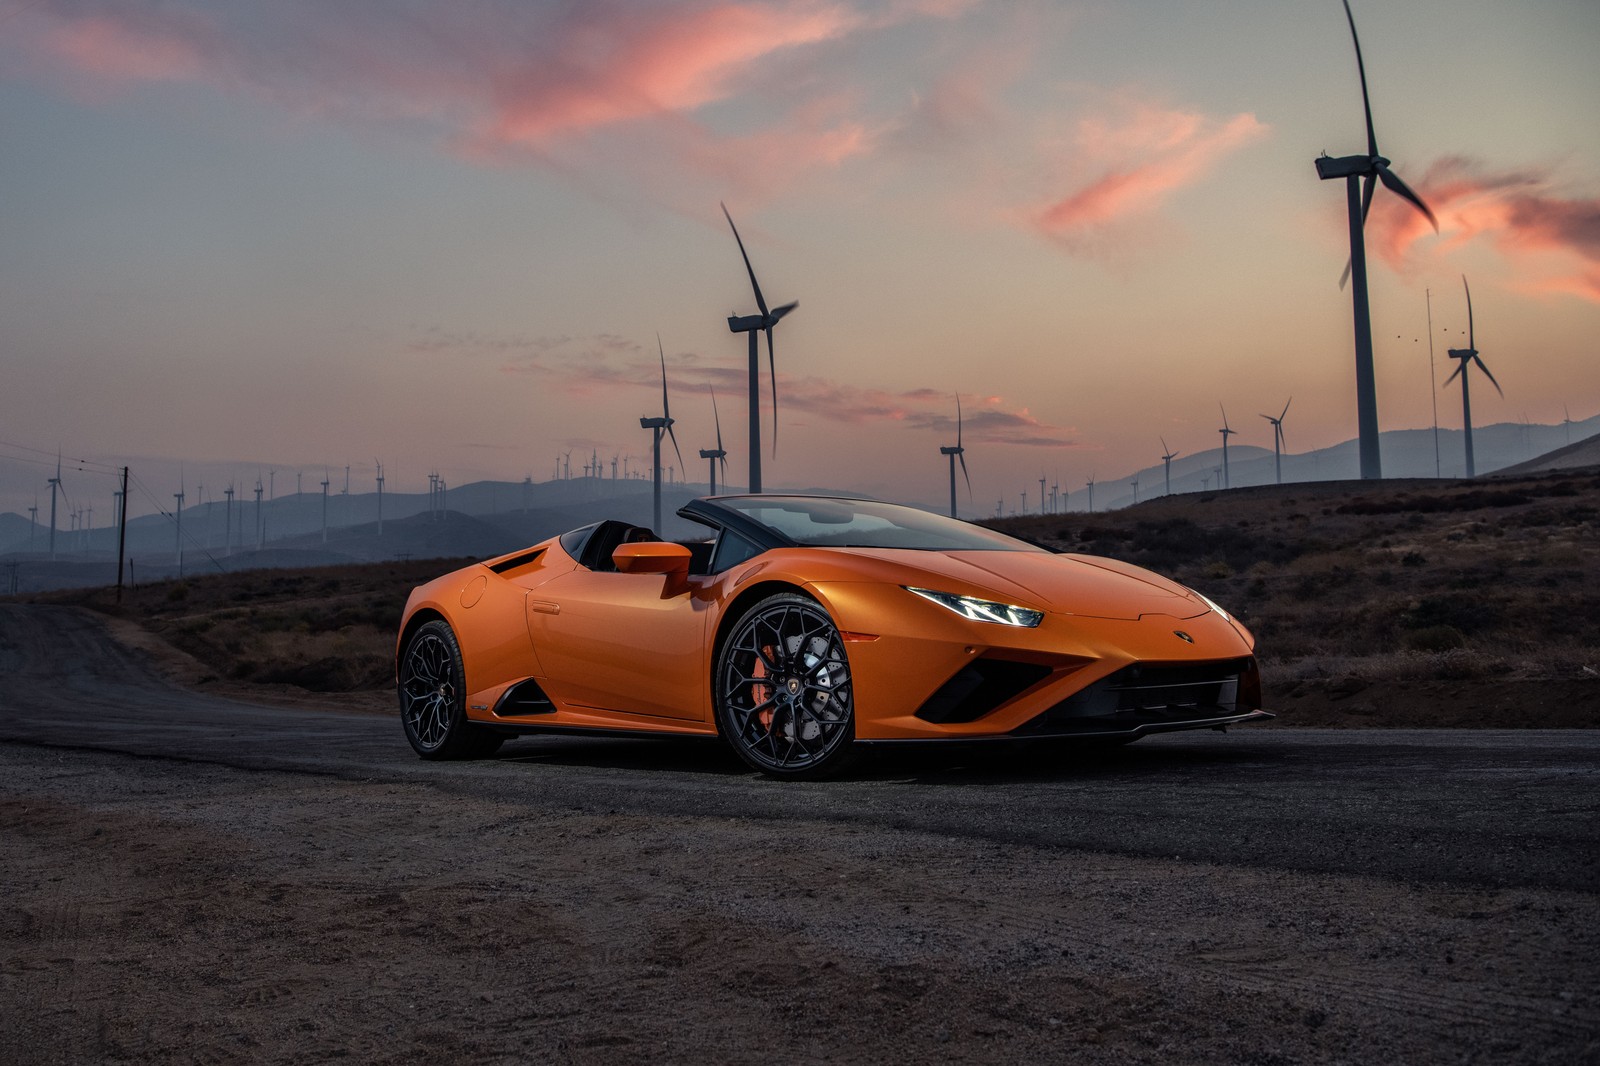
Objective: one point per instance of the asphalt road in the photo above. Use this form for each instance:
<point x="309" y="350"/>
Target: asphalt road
<point x="1400" y="840"/>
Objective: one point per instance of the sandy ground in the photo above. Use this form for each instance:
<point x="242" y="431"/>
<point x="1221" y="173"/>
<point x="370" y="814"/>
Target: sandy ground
<point x="190" y="879"/>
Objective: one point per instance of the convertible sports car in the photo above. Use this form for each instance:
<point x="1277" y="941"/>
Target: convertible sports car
<point x="802" y="627"/>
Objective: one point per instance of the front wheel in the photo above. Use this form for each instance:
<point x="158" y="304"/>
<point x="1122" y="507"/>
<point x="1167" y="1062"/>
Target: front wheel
<point x="433" y="707"/>
<point x="783" y="692"/>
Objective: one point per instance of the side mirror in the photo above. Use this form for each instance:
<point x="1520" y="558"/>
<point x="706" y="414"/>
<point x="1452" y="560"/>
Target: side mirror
<point x="651" y="557"/>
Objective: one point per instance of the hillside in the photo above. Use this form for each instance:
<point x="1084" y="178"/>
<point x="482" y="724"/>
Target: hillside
<point x="1400" y="603"/>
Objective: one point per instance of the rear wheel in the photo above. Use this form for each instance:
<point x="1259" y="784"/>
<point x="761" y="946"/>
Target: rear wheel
<point x="433" y="706"/>
<point x="783" y="692"/>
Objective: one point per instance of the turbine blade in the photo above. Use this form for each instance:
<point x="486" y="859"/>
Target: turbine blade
<point x="1471" y="342"/>
<point x="779" y="312"/>
<point x="964" y="473"/>
<point x="1163" y="446"/>
<point x="1368" y="187"/>
<point x="674" y="437"/>
<point x="1286" y="409"/>
<point x="1224" y="411"/>
<point x="1455" y="375"/>
<point x="1401" y="189"/>
<point x="760" y="301"/>
<point x="717" y="416"/>
<point x="1490" y="376"/>
<point x="1361" y="68"/>
<point x="958" y="425"/>
<point x="665" y="413"/>
<point x="1345" y="277"/>
<point x="772" y="370"/>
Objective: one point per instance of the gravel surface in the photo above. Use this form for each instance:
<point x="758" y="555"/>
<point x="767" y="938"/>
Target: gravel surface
<point x="187" y="878"/>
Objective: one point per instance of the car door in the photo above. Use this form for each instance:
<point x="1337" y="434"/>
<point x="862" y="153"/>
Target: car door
<point x="624" y="642"/>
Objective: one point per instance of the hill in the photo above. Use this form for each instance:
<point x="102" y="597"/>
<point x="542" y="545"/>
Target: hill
<point x="1417" y="603"/>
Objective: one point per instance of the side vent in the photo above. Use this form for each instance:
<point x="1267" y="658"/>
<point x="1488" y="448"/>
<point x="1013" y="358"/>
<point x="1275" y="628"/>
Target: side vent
<point x="980" y="687"/>
<point x="525" y="697"/>
<point x="517" y="560"/>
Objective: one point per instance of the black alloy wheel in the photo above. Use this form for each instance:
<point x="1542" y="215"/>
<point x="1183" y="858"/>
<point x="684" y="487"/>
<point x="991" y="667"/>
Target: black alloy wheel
<point x="783" y="693"/>
<point x="433" y="706"/>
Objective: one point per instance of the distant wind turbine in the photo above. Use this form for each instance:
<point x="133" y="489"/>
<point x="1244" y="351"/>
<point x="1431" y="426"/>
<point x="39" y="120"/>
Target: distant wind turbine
<point x="379" y="465"/>
<point x="1277" y="439"/>
<point x="1226" y="431"/>
<point x="656" y="426"/>
<point x="955" y="453"/>
<point x="1374" y="168"/>
<point x="1468" y="356"/>
<point x="1167" y="456"/>
<point x="1090" y="483"/>
<point x="55" y="483"/>
<point x="1566" y="422"/>
<point x="714" y="455"/>
<point x="178" y="549"/>
<point x="752" y="324"/>
<point x="1135" y="484"/>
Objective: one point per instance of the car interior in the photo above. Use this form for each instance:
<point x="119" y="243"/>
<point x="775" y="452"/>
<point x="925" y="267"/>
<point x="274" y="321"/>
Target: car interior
<point x="607" y="535"/>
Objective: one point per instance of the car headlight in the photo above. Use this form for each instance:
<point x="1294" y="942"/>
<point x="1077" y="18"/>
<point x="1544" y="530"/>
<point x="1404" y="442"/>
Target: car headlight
<point x="1213" y="605"/>
<point x="1006" y="614"/>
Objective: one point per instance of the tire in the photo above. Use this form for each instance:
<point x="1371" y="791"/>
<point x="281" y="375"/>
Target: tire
<point x="433" y="699"/>
<point x="800" y="726"/>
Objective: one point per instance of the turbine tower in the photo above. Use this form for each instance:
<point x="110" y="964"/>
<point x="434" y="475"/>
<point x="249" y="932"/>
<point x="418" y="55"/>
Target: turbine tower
<point x="55" y="483"/>
<point x="324" y="504"/>
<point x="227" y="524"/>
<point x="1277" y="440"/>
<point x="656" y="426"/>
<point x="1090" y="483"/>
<point x="1041" y="494"/>
<point x="380" y="497"/>
<point x="1372" y="167"/>
<point x="1468" y="356"/>
<point x="1166" y="459"/>
<point x="33" y="512"/>
<point x="752" y="324"/>
<point x="1135" y="484"/>
<point x="955" y="453"/>
<point x="261" y="526"/>
<point x="1226" y="431"/>
<point x="714" y="455"/>
<point x="178" y="551"/>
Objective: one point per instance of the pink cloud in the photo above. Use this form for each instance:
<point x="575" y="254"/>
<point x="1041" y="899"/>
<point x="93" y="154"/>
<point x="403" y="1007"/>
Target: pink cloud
<point x="587" y="89"/>
<point x="1554" y="241"/>
<point x="1139" y="158"/>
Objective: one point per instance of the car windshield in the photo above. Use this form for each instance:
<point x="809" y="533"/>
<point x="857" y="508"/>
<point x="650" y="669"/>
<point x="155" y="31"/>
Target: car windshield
<point x="830" y="523"/>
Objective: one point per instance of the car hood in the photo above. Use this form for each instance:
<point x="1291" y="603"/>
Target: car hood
<point x="1069" y="584"/>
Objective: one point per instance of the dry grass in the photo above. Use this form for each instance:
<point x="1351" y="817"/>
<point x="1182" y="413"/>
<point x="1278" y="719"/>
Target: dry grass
<point x="1417" y="586"/>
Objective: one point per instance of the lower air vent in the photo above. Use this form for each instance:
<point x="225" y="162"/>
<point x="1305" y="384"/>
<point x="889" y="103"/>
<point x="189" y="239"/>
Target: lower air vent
<point x="525" y="697"/>
<point x="979" y="688"/>
<point x="1149" y="693"/>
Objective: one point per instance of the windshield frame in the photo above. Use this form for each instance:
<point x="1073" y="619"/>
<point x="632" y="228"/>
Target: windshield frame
<point x="726" y="512"/>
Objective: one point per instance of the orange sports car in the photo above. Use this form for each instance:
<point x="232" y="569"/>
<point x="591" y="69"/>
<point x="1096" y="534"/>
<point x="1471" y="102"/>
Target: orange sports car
<point x="803" y="627"/>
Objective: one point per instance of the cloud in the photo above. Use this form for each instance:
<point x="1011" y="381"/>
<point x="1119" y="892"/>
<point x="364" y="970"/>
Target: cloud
<point x="1553" y="241"/>
<point x="597" y="367"/>
<point x="704" y="88"/>
<point x="1128" y="163"/>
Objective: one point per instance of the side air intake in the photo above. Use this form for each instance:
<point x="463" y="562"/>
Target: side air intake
<point x="525" y="697"/>
<point x="980" y="687"/>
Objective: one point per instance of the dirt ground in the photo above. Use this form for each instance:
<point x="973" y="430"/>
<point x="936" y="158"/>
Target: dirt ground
<point x="166" y="911"/>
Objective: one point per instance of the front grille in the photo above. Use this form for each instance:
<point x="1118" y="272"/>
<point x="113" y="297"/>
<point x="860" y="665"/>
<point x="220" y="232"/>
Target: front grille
<point x="1152" y="693"/>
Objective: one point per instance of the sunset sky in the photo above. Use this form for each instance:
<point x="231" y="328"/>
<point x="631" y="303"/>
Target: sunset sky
<point x="307" y="233"/>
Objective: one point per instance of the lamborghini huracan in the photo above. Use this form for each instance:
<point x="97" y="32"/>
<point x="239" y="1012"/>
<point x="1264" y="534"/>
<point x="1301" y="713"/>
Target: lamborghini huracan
<point x="800" y="628"/>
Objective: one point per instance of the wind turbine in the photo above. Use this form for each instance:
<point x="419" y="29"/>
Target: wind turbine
<point x="380" y="497"/>
<point x="227" y="524"/>
<point x="656" y="425"/>
<point x="1374" y="168"/>
<point x="715" y="455"/>
<point x="1135" y="484"/>
<point x="325" y="484"/>
<point x="955" y="453"/>
<point x="1468" y="356"/>
<point x="1166" y="460"/>
<point x="1566" y="423"/>
<point x="1277" y="439"/>
<point x="1226" y="431"/>
<point x="33" y="512"/>
<point x="1091" y="493"/>
<point x="55" y="483"/>
<point x="178" y="551"/>
<point x="752" y="324"/>
<point x="261" y="526"/>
